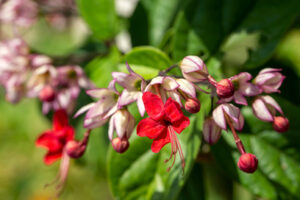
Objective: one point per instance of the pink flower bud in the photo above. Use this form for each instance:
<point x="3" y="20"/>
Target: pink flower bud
<point x="47" y="94"/>
<point x="192" y="105"/>
<point x="281" y="124"/>
<point x="193" y="69"/>
<point x="225" y="88"/>
<point x="211" y="131"/>
<point x="248" y="163"/>
<point x="75" y="149"/>
<point x="120" y="145"/>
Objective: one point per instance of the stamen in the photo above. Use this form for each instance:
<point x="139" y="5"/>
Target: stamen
<point x="175" y="148"/>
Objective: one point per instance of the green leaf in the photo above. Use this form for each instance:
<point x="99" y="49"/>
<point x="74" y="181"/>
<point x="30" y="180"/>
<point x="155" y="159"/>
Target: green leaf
<point x="146" y="61"/>
<point x="100" y="68"/>
<point x="210" y="25"/>
<point x="101" y="17"/>
<point x="56" y="42"/>
<point x="141" y="174"/>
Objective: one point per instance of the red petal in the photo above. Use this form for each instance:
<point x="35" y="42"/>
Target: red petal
<point x="60" y="119"/>
<point x="160" y="141"/>
<point x="150" y="128"/>
<point x="173" y="111"/>
<point x="51" y="157"/>
<point x="153" y="105"/>
<point x="181" y="124"/>
<point x="49" y="141"/>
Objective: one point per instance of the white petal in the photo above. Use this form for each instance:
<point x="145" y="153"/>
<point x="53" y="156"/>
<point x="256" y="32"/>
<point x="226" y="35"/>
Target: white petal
<point x="111" y="128"/>
<point x="261" y="111"/>
<point x="100" y="93"/>
<point x="121" y="122"/>
<point x="127" y="97"/>
<point x="170" y="84"/>
<point x="239" y="98"/>
<point x="141" y="105"/>
<point x="83" y="109"/>
<point x="218" y="115"/>
<point x="101" y="107"/>
<point x="175" y="96"/>
<point x="187" y="87"/>
<point x="269" y="100"/>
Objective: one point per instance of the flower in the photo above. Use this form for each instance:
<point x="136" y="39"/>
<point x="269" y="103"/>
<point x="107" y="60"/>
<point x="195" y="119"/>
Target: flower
<point x="265" y="107"/>
<point x="19" y="12"/>
<point x="242" y="88"/>
<point x="211" y="131"/>
<point x="228" y="113"/>
<point x="98" y="113"/>
<point x="269" y="80"/>
<point x="67" y="84"/>
<point x="178" y="89"/>
<point x="163" y="121"/>
<point x="133" y="85"/>
<point x="193" y="69"/>
<point x="56" y="139"/>
<point x="248" y="163"/>
<point x="122" y="122"/>
<point x="224" y="88"/>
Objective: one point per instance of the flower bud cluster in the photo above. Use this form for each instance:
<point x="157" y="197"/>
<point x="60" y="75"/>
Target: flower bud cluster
<point x="236" y="89"/>
<point x="31" y="75"/>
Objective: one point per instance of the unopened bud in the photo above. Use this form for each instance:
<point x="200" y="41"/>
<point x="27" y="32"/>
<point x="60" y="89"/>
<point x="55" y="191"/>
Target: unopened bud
<point x="120" y="145"/>
<point x="75" y="149"/>
<point x="47" y="94"/>
<point x="248" y="163"/>
<point x="211" y="131"/>
<point x="225" y="88"/>
<point x="192" y="105"/>
<point x="281" y="124"/>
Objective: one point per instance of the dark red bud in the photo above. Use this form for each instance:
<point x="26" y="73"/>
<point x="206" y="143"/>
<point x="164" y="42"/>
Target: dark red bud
<point x="225" y="88"/>
<point x="47" y="94"/>
<point x="281" y="124"/>
<point x="248" y="163"/>
<point x="75" y="149"/>
<point x="192" y="105"/>
<point x="120" y="145"/>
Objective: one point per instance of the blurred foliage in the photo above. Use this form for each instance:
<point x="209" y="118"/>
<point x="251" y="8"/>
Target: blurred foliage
<point x="231" y="36"/>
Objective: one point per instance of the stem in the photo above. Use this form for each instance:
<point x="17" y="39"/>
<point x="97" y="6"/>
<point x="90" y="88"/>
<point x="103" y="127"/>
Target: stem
<point x="164" y="72"/>
<point x="237" y="140"/>
<point x="86" y="137"/>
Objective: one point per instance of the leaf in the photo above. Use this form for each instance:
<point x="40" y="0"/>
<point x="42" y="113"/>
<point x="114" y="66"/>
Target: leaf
<point x="101" y="17"/>
<point x="100" y="68"/>
<point x="141" y="174"/>
<point x="56" y="42"/>
<point x="211" y="25"/>
<point x="146" y="61"/>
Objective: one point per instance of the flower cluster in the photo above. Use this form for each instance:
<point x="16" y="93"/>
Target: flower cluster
<point x="23" y="74"/>
<point x="24" y="13"/>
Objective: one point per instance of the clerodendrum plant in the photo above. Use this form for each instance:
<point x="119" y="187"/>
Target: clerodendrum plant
<point x="171" y="100"/>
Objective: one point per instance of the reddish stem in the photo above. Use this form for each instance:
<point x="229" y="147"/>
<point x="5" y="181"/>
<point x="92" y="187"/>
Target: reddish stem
<point x="237" y="140"/>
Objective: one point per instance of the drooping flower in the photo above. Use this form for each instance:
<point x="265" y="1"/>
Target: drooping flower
<point x="211" y="131"/>
<point x="193" y="69"/>
<point x="123" y="123"/>
<point x="99" y="112"/>
<point x="133" y="85"/>
<point x="269" y="80"/>
<point x="265" y="107"/>
<point x="228" y="113"/>
<point x="242" y="88"/>
<point x="19" y="12"/>
<point x="55" y="140"/>
<point x="163" y="121"/>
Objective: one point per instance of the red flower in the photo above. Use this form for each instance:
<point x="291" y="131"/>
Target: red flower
<point x="162" y="122"/>
<point x="55" y="140"/>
